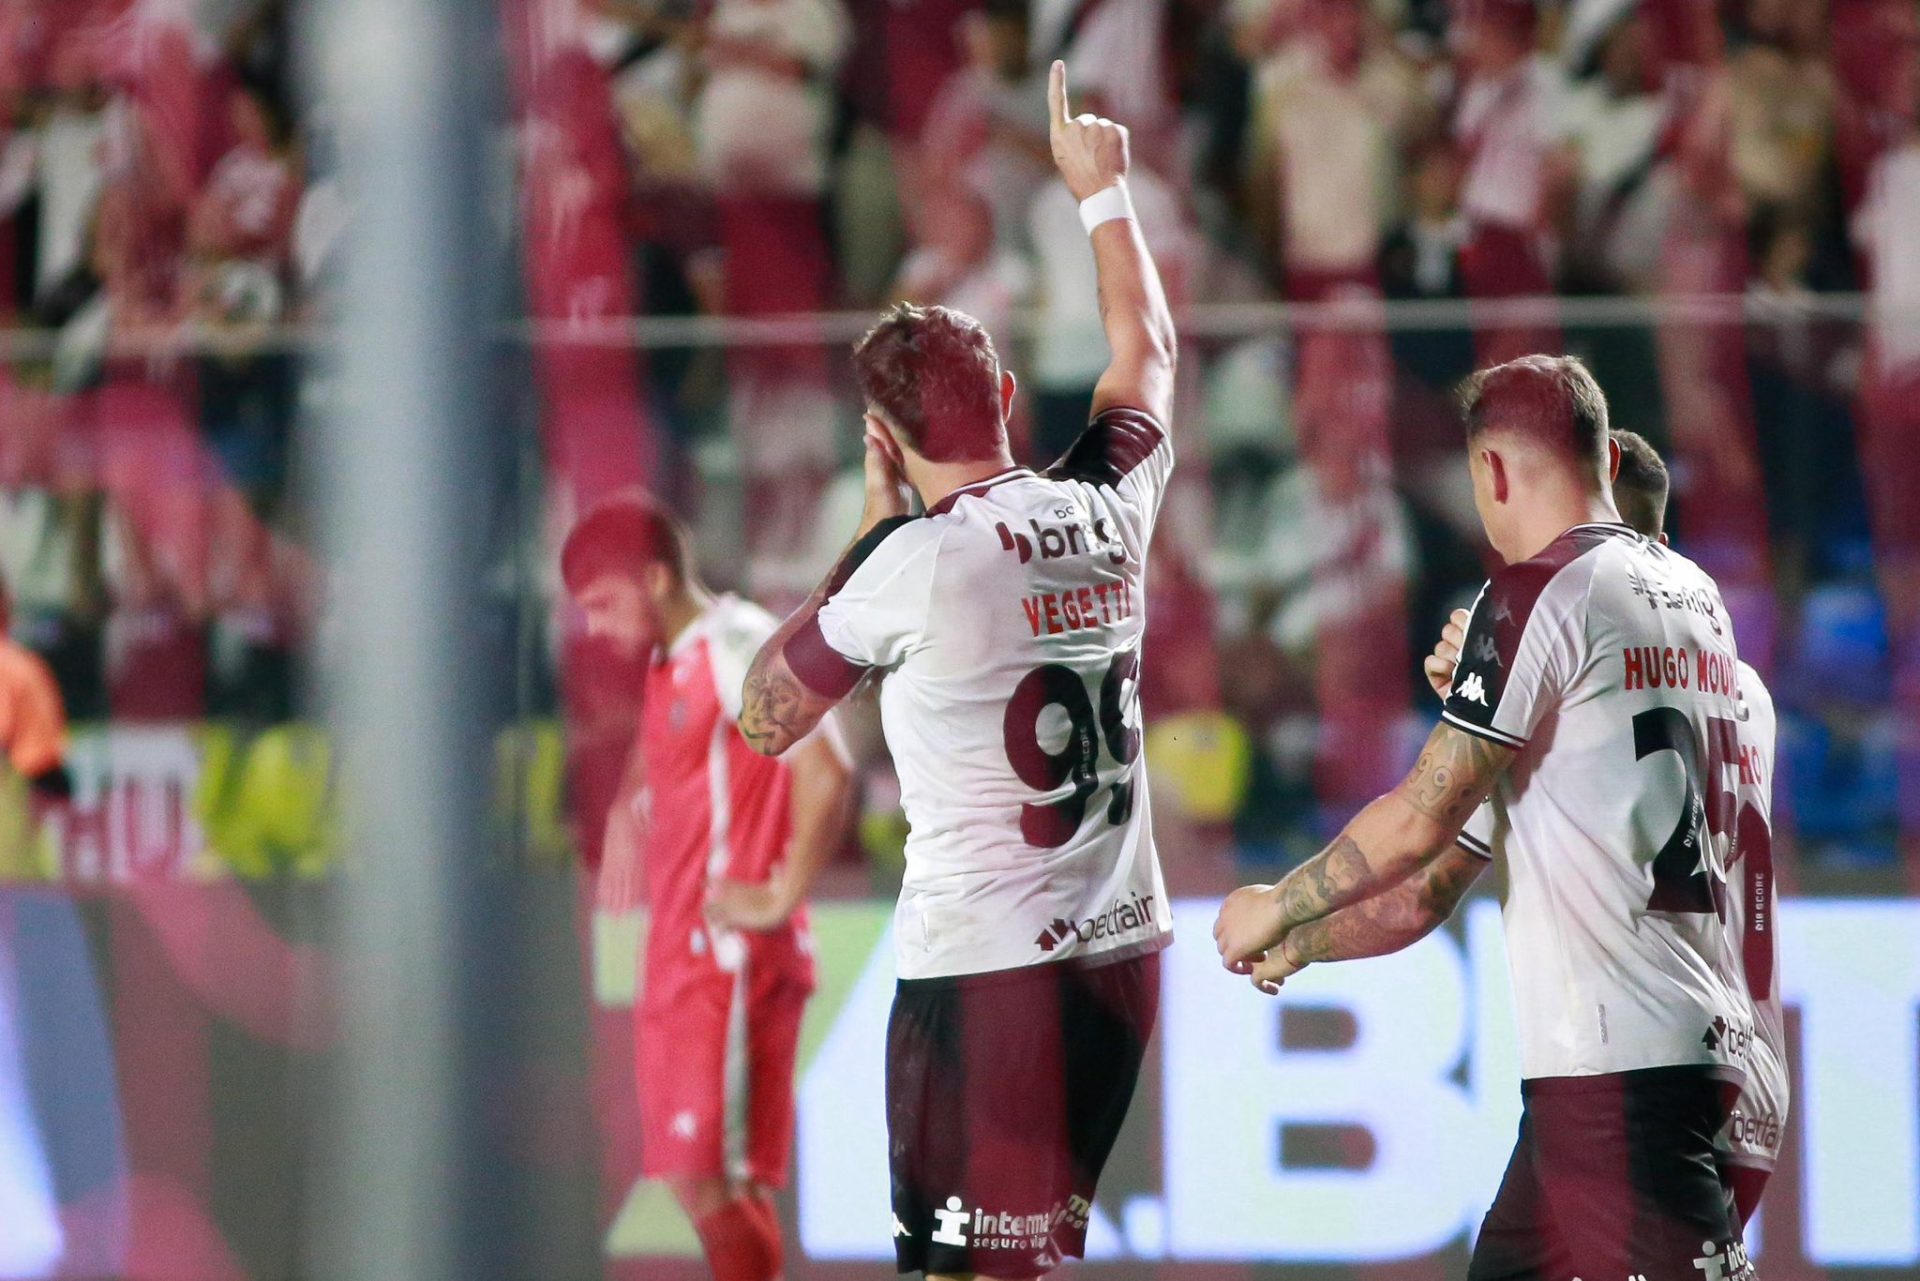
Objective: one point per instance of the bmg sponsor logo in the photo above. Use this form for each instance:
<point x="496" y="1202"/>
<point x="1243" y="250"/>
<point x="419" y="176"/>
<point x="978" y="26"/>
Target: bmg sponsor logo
<point x="1080" y="538"/>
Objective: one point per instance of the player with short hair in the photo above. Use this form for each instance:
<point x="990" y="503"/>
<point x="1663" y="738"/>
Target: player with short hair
<point x="1007" y="622"/>
<point x="1749" y="1146"/>
<point x="1596" y="701"/>
<point x="733" y="843"/>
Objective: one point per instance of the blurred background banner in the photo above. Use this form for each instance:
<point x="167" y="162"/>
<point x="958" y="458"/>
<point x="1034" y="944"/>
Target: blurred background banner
<point x="685" y="211"/>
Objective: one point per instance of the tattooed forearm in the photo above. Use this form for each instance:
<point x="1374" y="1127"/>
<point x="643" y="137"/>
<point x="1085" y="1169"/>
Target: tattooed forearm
<point x="1336" y="876"/>
<point x="1455" y="773"/>
<point x="1390" y="921"/>
<point x="777" y="709"/>
<point x="772" y="704"/>
<point x="1401" y="833"/>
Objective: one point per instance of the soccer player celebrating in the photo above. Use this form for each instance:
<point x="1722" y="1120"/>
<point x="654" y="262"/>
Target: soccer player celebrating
<point x="1749" y="1146"/>
<point x="733" y="841"/>
<point x="1596" y="700"/>
<point x="1007" y="622"/>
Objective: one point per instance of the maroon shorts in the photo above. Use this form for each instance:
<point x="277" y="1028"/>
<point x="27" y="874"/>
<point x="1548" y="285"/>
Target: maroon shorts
<point x="1614" y="1176"/>
<point x="715" y="1057"/>
<point x="1005" y="1092"/>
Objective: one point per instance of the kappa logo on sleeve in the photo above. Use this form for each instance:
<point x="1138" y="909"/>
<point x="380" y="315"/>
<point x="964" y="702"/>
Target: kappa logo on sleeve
<point x="1473" y="689"/>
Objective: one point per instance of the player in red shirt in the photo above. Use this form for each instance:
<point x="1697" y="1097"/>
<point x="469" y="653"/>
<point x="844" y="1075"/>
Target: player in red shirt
<point x="733" y="841"/>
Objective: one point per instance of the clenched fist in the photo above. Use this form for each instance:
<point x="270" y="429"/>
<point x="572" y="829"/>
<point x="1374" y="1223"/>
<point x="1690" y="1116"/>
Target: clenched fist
<point x="1446" y="655"/>
<point x="1090" y="151"/>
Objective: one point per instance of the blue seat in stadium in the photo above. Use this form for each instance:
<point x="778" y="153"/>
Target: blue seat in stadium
<point x="1840" y="650"/>
<point x="1879" y="783"/>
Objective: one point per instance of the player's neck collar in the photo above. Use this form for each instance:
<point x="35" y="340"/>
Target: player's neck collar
<point x="953" y="496"/>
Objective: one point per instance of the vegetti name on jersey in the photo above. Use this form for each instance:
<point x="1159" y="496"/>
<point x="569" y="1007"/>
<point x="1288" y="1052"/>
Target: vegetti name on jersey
<point x="1008" y="620"/>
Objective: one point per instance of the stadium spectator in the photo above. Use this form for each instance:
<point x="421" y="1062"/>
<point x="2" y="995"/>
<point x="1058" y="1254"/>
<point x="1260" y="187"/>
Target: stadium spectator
<point x="981" y="135"/>
<point x="762" y="121"/>
<point x="49" y="540"/>
<point x="1782" y="96"/>
<point x="962" y="264"/>
<point x="1334" y="111"/>
<point x="69" y="141"/>
<point x="1421" y="259"/>
<point x="1613" y="119"/>
<point x="241" y="237"/>
<point x="1517" y="172"/>
<point x="1889" y="240"/>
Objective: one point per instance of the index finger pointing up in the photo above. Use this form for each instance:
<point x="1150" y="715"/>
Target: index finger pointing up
<point x="1057" y="92"/>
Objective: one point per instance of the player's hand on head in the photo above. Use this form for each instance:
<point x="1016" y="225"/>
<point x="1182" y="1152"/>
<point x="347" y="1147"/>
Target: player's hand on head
<point x="886" y="477"/>
<point x="1439" y="665"/>
<point x="746" y="905"/>
<point x="1249" y="924"/>
<point x="1090" y="151"/>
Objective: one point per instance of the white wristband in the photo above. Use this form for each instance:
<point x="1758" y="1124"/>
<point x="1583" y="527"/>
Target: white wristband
<point x="1105" y="205"/>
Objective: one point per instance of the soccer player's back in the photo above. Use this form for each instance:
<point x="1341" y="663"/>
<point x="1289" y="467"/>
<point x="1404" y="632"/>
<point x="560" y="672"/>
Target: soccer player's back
<point x="1595" y="701"/>
<point x="1748" y="1146"/>
<point x="1012" y="615"/>
<point x="1645" y="679"/>
<point x="1004" y="626"/>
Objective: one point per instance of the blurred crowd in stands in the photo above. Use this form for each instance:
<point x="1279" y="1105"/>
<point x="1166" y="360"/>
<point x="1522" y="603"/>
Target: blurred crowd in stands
<point x="1427" y="185"/>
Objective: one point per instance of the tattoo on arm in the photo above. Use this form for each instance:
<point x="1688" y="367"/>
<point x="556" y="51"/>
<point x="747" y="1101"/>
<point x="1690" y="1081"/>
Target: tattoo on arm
<point x="1455" y="773"/>
<point x="1330" y="879"/>
<point x="777" y="709"/>
<point x="773" y="702"/>
<point x="1387" y="922"/>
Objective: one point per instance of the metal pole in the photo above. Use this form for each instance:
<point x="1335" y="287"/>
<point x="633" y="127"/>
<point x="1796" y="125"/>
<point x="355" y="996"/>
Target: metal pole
<point x="407" y="1179"/>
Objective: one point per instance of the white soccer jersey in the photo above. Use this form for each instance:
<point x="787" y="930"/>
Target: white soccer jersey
<point x="1008" y="620"/>
<point x="1754" y="1132"/>
<point x="1608" y="663"/>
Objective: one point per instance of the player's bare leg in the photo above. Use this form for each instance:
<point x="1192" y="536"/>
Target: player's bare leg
<point x="738" y="1229"/>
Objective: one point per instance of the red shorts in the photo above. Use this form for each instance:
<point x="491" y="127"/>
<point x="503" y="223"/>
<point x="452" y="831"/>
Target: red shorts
<point x="716" y="1053"/>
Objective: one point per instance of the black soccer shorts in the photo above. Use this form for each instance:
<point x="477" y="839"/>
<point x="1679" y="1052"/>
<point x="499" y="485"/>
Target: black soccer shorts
<point x="1005" y="1092"/>
<point x="1614" y="1179"/>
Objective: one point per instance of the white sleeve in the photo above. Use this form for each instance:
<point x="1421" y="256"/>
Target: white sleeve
<point x="1127" y="450"/>
<point x="875" y="611"/>
<point x="1522" y="648"/>
<point x="1483" y="832"/>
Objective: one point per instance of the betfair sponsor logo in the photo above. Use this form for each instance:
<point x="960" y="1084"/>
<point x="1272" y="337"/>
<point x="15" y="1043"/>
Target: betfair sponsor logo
<point x="1123" y="917"/>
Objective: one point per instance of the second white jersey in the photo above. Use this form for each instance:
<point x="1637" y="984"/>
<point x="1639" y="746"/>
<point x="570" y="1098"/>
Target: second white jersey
<point x="1008" y="621"/>
<point x="1608" y="664"/>
<point x="1754" y="1133"/>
